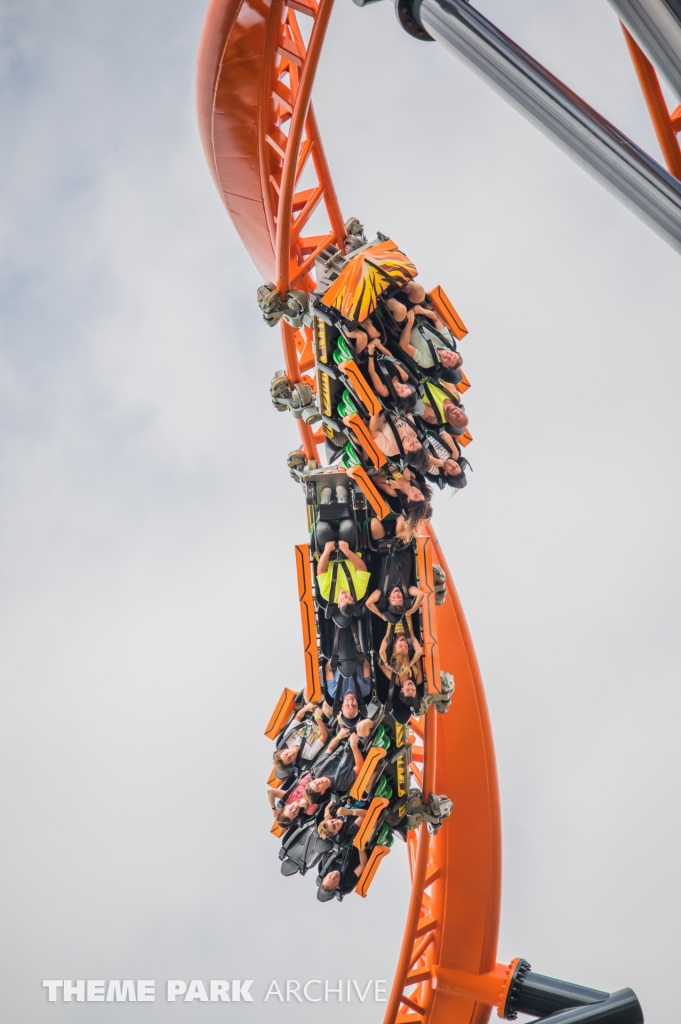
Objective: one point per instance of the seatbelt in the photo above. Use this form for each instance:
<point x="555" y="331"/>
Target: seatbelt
<point x="337" y="702"/>
<point x="343" y="858"/>
<point x="395" y="432"/>
<point x="299" y="753"/>
<point x="408" y="634"/>
<point x="387" y="377"/>
<point x="388" y="576"/>
<point x="389" y="702"/>
<point x="332" y="590"/>
<point x="331" y="605"/>
<point x="431" y="347"/>
<point x="390" y="563"/>
<point x="439" y="449"/>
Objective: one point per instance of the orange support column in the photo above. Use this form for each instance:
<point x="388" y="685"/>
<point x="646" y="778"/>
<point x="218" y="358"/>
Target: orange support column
<point x="491" y="989"/>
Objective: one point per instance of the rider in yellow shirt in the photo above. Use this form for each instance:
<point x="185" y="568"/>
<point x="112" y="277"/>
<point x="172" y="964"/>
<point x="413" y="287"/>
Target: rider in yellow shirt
<point x="351" y="577"/>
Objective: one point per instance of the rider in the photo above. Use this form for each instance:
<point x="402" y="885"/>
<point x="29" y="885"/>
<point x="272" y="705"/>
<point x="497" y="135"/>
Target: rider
<point x="427" y="346"/>
<point x="395" y="595"/>
<point x="391" y="381"/>
<point x="414" y="501"/>
<point x="338" y="684"/>
<point x="302" y="740"/>
<point x="344" y="582"/>
<point x="337" y="772"/>
<point x="339" y="873"/>
<point x="442" y="407"/>
<point x="400" y="663"/>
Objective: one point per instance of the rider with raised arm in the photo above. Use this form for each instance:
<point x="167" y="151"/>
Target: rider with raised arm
<point x="414" y="500"/>
<point x="338" y="685"/>
<point x="344" y="581"/>
<point x="400" y="663"/>
<point x="337" y="772"/>
<point x="426" y="340"/>
<point x="443" y="408"/>
<point x="339" y="872"/>
<point x="395" y="595"/>
<point x="350" y="719"/>
<point x="341" y="823"/>
<point x="392" y="382"/>
<point x="302" y="740"/>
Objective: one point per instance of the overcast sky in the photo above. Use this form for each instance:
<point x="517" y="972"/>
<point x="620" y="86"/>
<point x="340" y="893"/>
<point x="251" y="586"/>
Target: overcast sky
<point x="147" y="584"/>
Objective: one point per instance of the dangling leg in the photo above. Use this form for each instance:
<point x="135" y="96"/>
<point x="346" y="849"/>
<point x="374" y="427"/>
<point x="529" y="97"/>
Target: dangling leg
<point x="324" y="532"/>
<point x="377" y="528"/>
<point x="347" y="532"/>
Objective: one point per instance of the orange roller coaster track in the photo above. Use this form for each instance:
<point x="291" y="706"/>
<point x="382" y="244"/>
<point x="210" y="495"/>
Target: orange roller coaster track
<point x="259" y="132"/>
<point x="258" y="128"/>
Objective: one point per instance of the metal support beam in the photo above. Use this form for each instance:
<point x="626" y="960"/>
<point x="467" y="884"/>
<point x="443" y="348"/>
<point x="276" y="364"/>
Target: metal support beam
<point x="656" y="25"/>
<point x="561" y="1002"/>
<point x="622" y="166"/>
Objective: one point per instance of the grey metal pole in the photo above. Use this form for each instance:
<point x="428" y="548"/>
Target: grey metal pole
<point x="622" y="166"/>
<point x="656" y="26"/>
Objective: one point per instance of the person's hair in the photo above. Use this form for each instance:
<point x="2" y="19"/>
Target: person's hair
<point x="411" y="702"/>
<point x="282" y="818"/>
<point x="348" y="609"/>
<point x="323" y="829"/>
<point x="310" y="794"/>
<point x="399" y="661"/>
<point x="325" y="889"/>
<point x="415" y="512"/>
<point x="457" y="482"/>
<point x="278" y="760"/>
<point x="396" y="609"/>
<point x="407" y="404"/>
<point x="419" y="459"/>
